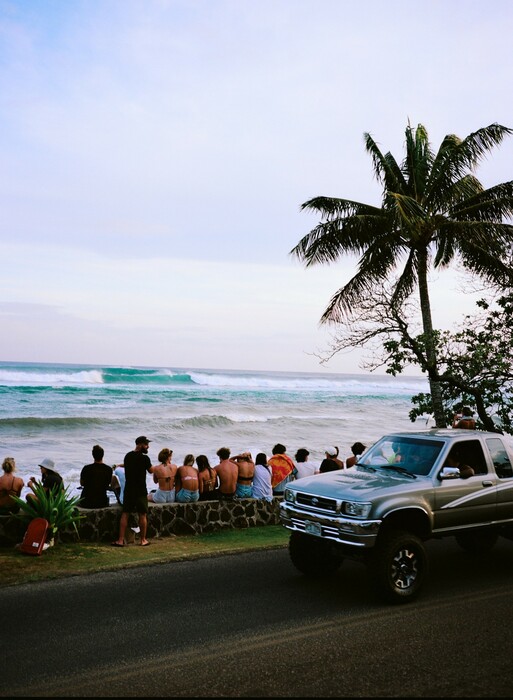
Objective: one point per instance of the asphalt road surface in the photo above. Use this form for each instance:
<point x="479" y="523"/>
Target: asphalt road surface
<point x="249" y="625"/>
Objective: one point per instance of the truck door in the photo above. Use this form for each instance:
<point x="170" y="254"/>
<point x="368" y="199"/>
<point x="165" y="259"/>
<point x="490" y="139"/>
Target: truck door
<point x="467" y="501"/>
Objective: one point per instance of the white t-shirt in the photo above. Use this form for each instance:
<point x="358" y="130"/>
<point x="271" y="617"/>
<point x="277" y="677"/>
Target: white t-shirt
<point x="262" y="483"/>
<point x="305" y="469"/>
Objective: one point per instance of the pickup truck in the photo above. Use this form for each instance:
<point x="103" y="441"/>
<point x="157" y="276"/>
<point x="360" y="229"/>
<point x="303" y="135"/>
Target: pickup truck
<point x="405" y="489"/>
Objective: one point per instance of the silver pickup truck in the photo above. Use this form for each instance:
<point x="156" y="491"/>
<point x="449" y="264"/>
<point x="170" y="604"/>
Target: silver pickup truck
<point x="407" y="488"/>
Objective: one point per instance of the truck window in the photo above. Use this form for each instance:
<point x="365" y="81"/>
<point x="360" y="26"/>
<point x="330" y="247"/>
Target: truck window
<point x="471" y="453"/>
<point x="500" y="459"/>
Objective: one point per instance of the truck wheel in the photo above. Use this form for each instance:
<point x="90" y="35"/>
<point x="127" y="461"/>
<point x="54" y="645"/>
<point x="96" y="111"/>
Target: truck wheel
<point x="313" y="556"/>
<point x="477" y="542"/>
<point x="398" y="567"/>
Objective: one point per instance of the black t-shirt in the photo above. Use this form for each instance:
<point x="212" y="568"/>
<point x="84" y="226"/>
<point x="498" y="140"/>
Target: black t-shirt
<point x="136" y="465"/>
<point x="51" y="480"/>
<point x="95" y="479"/>
<point x="328" y="465"/>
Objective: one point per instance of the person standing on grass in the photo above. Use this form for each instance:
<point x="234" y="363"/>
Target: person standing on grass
<point x="135" y="496"/>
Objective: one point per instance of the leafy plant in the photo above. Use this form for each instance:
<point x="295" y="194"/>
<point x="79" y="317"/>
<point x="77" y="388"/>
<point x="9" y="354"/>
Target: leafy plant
<point x="55" y="506"/>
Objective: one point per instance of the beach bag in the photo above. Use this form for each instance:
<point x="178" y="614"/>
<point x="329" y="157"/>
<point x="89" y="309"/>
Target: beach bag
<point x="35" y="536"/>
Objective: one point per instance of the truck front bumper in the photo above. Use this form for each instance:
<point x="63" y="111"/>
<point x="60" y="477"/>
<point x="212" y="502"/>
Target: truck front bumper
<point x="349" y="531"/>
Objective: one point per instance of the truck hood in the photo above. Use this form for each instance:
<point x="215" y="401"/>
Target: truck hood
<point x="359" y="483"/>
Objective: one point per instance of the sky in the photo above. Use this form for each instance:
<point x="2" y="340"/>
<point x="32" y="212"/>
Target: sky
<point x="156" y="153"/>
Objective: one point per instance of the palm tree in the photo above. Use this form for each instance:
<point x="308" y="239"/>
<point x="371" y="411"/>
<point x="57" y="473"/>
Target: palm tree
<point x="433" y="211"/>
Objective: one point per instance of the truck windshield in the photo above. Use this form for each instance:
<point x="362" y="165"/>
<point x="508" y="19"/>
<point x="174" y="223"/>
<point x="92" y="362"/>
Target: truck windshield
<point x="414" y="455"/>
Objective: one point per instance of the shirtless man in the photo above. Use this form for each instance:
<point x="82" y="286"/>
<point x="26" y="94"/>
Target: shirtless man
<point x="228" y="473"/>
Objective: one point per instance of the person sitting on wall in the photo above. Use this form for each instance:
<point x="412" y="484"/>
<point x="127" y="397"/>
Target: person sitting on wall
<point x="95" y="479"/>
<point x="245" y="474"/>
<point x="10" y="485"/>
<point x="50" y="479"/>
<point x="228" y="471"/>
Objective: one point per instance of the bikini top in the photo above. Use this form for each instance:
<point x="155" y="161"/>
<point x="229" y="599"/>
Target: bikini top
<point x="8" y="492"/>
<point x="210" y="484"/>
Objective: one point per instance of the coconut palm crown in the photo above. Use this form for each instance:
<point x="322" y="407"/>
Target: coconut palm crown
<point x="434" y="211"/>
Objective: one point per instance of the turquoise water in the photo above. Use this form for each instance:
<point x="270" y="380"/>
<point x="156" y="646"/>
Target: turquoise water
<point x="61" y="411"/>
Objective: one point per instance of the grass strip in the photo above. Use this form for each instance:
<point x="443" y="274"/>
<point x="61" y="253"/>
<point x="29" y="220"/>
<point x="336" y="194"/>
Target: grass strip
<point x="90" y="557"/>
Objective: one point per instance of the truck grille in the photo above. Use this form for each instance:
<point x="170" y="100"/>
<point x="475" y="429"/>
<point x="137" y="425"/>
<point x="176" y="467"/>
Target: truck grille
<point x="318" y="502"/>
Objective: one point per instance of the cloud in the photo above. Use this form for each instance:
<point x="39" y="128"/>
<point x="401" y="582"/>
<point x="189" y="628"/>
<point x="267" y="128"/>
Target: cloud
<point x="156" y="156"/>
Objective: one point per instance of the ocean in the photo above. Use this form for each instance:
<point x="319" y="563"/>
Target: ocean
<point x="61" y="410"/>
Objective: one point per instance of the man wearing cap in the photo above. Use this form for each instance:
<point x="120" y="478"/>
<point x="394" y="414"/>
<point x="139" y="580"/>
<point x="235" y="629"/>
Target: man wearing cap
<point x="135" y="496"/>
<point x="50" y="479"/>
<point x="331" y="462"/>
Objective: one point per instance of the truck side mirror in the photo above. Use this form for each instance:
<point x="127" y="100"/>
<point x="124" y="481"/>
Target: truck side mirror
<point x="449" y="473"/>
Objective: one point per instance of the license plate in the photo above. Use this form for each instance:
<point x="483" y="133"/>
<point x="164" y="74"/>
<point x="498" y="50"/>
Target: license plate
<point x="313" y="529"/>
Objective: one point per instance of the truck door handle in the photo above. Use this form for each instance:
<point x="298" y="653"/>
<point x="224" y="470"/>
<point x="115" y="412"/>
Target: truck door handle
<point x="487" y="483"/>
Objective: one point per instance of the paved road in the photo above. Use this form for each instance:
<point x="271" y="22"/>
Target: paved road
<point x="250" y="625"/>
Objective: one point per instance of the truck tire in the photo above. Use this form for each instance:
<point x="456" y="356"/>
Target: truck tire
<point x="398" y="566"/>
<point x="313" y="556"/>
<point x="477" y="542"/>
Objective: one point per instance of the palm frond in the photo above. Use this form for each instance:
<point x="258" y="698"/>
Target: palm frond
<point x="418" y="161"/>
<point x="493" y="204"/>
<point x="477" y="144"/>
<point x="386" y="169"/>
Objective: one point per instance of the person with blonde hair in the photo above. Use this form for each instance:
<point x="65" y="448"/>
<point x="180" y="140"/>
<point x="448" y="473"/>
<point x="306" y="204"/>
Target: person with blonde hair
<point x="10" y="485"/>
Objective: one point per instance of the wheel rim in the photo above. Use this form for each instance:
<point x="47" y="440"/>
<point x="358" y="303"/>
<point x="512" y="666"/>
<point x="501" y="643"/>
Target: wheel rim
<point x="405" y="568"/>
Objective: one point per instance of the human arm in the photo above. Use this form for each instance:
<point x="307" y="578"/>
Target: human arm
<point x="32" y="483"/>
<point x="456" y="419"/>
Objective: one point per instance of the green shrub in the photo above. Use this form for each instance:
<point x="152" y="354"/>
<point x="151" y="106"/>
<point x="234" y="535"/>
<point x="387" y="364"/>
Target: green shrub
<point x="55" y="506"/>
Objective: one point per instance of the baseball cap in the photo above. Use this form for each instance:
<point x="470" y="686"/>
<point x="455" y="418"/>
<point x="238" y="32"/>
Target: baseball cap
<point x="141" y="440"/>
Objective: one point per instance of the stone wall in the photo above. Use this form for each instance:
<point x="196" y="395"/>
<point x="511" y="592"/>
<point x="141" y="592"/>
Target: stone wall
<point x="102" y="524"/>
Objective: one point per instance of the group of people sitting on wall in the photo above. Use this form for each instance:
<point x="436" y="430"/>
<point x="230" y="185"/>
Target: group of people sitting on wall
<point x="235" y="476"/>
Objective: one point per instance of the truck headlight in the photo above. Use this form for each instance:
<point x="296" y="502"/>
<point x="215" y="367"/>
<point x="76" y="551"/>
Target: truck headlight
<point x="356" y="509"/>
<point x="289" y="496"/>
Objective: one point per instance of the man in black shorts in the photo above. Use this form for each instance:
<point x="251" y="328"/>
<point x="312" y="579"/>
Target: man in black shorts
<point x="135" y="497"/>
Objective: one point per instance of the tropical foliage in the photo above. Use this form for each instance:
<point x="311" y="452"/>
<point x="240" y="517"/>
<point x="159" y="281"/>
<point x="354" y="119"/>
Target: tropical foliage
<point x="476" y="363"/>
<point x="56" y="506"/>
<point x="434" y="211"/>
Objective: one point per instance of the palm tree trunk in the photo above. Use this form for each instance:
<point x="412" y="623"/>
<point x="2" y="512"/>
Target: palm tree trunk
<point x="431" y="355"/>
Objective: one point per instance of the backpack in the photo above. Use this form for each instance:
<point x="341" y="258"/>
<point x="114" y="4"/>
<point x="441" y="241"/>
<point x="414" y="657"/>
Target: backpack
<point x="35" y="536"/>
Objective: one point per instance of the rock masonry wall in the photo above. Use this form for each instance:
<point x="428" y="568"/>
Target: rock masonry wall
<point x="102" y="524"/>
